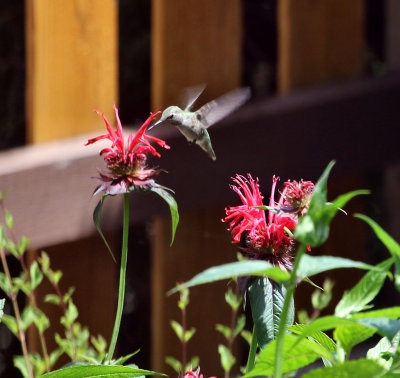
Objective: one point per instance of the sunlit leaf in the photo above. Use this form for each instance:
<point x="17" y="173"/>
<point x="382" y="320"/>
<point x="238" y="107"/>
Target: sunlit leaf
<point x="108" y="371"/>
<point x="266" y="299"/>
<point x="295" y="356"/>
<point x="235" y="269"/>
<point x="173" y="207"/>
<point x="227" y="359"/>
<point x="357" y="368"/>
<point x="311" y="265"/>
<point x="363" y="292"/>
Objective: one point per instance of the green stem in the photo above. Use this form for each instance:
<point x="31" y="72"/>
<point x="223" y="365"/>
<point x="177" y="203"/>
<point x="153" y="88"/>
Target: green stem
<point x="252" y="352"/>
<point x="282" y="322"/>
<point x="122" y="275"/>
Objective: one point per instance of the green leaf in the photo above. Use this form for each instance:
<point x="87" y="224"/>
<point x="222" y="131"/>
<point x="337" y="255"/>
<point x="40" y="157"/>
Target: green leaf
<point x="247" y="335"/>
<point x="392" y="246"/>
<point x="227" y="359"/>
<point x="173" y="207"/>
<point x="193" y="363"/>
<point x="10" y="323"/>
<point x="311" y="265"/>
<point x="27" y="317"/>
<point x="384" y="326"/>
<point x="318" y="336"/>
<point x="41" y="321"/>
<point x="4" y="284"/>
<point x="109" y="371"/>
<point x="313" y="228"/>
<point x="189" y="333"/>
<point x="363" y="292"/>
<point x="224" y="330"/>
<point x="97" y="220"/>
<point x="235" y="269"/>
<point x="70" y="315"/>
<point x="174" y="363"/>
<point x="123" y="359"/>
<point x="177" y="329"/>
<point x="241" y="322"/>
<point x="36" y="275"/>
<point x="232" y="299"/>
<point x="378" y="352"/>
<point x="391" y="313"/>
<point x="348" y="369"/>
<point x="350" y="336"/>
<point x="266" y="300"/>
<point x="52" y="298"/>
<point x="295" y="354"/>
<point x="23" y="245"/>
<point x="8" y="219"/>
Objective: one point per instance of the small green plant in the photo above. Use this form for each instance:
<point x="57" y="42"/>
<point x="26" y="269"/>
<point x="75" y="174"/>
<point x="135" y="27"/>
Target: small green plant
<point x="184" y="335"/>
<point x="76" y="342"/>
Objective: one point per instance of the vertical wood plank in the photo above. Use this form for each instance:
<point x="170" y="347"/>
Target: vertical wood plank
<point x="72" y="66"/>
<point x="392" y="40"/>
<point x="194" y="43"/>
<point x="319" y="41"/>
<point x="201" y="241"/>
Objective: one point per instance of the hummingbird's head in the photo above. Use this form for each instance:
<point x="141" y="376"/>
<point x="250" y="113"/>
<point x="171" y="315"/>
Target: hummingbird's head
<point x="173" y="114"/>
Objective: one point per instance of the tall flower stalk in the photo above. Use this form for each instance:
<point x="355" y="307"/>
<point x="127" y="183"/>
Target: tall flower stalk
<point x="127" y="172"/>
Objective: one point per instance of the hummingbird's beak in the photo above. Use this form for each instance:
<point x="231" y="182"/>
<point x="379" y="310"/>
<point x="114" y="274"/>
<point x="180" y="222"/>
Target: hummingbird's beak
<point x="154" y="124"/>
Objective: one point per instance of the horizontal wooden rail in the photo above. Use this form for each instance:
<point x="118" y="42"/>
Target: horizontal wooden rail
<point x="293" y="136"/>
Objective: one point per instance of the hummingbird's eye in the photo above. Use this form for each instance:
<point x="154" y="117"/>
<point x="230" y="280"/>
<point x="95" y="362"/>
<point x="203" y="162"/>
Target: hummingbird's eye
<point x="171" y="116"/>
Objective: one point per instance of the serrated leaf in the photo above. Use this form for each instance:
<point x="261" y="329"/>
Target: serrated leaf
<point x="97" y="221"/>
<point x="109" y="371"/>
<point x="348" y="369"/>
<point x="311" y="265"/>
<point x="36" y="275"/>
<point x="10" y="323"/>
<point x="227" y="359"/>
<point x="177" y="329"/>
<point x="391" y="244"/>
<point x="52" y="298"/>
<point x="295" y="356"/>
<point x="266" y="299"/>
<point x="173" y="207"/>
<point x="174" y="363"/>
<point x="376" y="353"/>
<point x="350" y="336"/>
<point x="318" y="336"/>
<point x="224" y="330"/>
<point x="363" y="292"/>
<point x="235" y="269"/>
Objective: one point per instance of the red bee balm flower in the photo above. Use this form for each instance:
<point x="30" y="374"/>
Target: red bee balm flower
<point x="127" y="167"/>
<point x="194" y="374"/>
<point x="261" y="238"/>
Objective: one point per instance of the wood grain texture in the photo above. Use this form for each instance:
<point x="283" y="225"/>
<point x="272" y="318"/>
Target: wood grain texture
<point x="319" y="42"/>
<point x="72" y="65"/>
<point x="195" y="43"/>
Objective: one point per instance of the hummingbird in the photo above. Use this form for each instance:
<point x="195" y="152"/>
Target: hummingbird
<point x="193" y="125"/>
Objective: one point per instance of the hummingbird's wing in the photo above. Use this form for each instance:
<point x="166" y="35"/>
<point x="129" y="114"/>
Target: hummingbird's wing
<point x="190" y="95"/>
<point x="219" y="108"/>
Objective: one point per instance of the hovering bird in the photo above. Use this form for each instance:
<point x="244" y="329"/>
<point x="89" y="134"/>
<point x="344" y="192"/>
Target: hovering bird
<point x="193" y="125"/>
